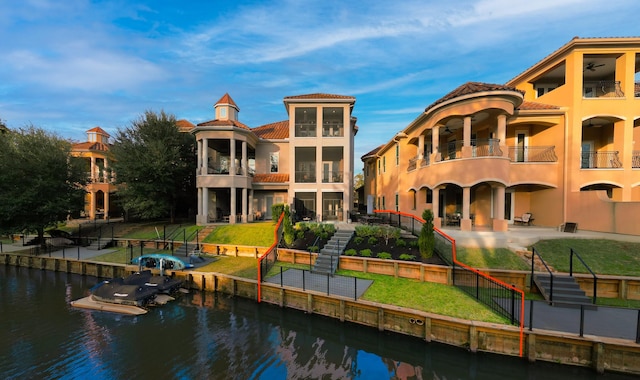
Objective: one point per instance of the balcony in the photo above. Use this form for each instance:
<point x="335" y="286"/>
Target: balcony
<point x="306" y="129"/>
<point x="533" y="154"/>
<point x="332" y="129"/>
<point x="602" y="89"/>
<point x="635" y="159"/>
<point x="480" y="148"/>
<point x="223" y="169"/>
<point x="413" y="163"/>
<point x="332" y="177"/>
<point x="600" y="160"/>
<point x="305" y="176"/>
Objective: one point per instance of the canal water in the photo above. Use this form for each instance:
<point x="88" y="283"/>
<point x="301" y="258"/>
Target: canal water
<point x="213" y="336"/>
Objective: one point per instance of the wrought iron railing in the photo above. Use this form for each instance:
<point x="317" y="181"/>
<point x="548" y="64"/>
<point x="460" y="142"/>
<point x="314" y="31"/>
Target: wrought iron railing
<point x="602" y="89"/>
<point x="332" y="176"/>
<point x="595" y="278"/>
<point x="486" y="148"/>
<point x="269" y="258"/>
<point x="535" y="254"/>
<point x="635" y="159"/>
<point x="600" y="160"/>
<point x="533" y="154"/>
<point x="413" y="163"/>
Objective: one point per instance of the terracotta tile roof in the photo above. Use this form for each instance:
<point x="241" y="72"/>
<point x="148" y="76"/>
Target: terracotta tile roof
<point x="184" y="125"/>
<point x="271" y="178"/>
<point x="537" y="106"/>
<point x="89" y="145"/>
<point x="276" y="131"/>
<point x="99" y="130"/>
<point x="226" y="99"/>
<point x="472" y="88"/>
<point x="319" y="96"/>
<point x="372" y="153"/>
<point x="223" y="123"/>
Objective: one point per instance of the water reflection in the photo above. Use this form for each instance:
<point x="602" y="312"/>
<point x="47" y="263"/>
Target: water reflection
<point x="212" y="336"/>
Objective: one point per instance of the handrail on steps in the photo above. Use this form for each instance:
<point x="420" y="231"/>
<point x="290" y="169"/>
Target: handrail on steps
<point x="533" y="256"/>
<point x="595" y="278"/>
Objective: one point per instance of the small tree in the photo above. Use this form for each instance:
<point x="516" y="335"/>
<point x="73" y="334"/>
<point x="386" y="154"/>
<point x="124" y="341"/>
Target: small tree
<point x="426" y="241"/>
<point x="288" y="231"/>
<point x="276" y="210"/>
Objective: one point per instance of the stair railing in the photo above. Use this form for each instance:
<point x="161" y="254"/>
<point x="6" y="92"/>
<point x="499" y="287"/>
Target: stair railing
<point x="533" y="257"/>
<point x="595" y="278"/>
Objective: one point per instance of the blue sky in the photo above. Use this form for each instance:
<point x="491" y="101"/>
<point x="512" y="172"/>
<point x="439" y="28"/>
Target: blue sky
<point x="68" y="66"/>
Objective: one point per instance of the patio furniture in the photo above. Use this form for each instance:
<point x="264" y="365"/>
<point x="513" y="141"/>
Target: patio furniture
<point x="526" y="218"/>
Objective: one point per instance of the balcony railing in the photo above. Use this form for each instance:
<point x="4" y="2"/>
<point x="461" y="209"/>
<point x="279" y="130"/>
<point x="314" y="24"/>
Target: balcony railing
<point x="332" y="176"/>
<point x="305" y="129"/>
<point x="486" y="148"/>
<point x="635" y="159"/>
<point x="332" y="129"/>
<point x="533" y="154"/>
<point x="426" y="160"/>
<point x="413" y="163"/>
<point x="602" y="89"/>
<point x="223" y="169"/>
<point x="305" y="176"/>
<point x="600" y="160"/>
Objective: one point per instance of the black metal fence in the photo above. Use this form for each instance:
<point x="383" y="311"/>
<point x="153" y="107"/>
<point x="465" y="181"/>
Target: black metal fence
<point x="345" y="286"/>
<point x="269" y="258"/>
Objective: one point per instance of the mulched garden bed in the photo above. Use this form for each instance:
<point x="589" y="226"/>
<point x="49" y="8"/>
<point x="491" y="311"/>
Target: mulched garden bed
<point x="394" y="250"/>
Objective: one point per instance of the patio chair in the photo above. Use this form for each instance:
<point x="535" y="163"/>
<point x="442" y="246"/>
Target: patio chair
<point x="526" y="218"/>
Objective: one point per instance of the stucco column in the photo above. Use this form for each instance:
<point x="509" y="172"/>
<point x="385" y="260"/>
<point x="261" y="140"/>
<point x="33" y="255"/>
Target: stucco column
<point x="93" y="169"/>
<point x="205" y="205"/>
<point x="250" y="206"/>
<point x="199" y="156"/>
<point x="467" y="149"/>
<point x="106" y="204"/>
<point x="435" y="144"/>
<point x="499" y="224"/>
<point x="205" y="156"/>
<point x="244" y="205"/>
<point x="92" y="205"/>
<point x="465" y="223"/>
<point x="232" y="164"/>
<point x="199" y="218"/>
<point x="232" y="217"/>
<point x="435" y="202"/>
<point x="421" y="147"/>
<point x="502" y="134"/>
<point x="245" y="168"/>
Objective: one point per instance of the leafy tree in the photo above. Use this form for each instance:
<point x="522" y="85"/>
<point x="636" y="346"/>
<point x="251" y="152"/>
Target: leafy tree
<point x="289" y="233"/>
<point x="155" y="163"/>
<point x="427" y="240"/>
<point x="40" y="182"/>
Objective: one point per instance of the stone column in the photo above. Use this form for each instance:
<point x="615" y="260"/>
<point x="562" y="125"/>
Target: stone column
<point x="435" y="198"/>
<point x="244" y="205"/>
<point x="232" y="159"/>
<point x="420" y="147"/>
<point x="502" y="135"/>
<point x="245" y="169"/>
<point x="499" y="223"/>
<point x="205" y="204"/>
<point x="106" y="204"/>
<point x="467" y="149"/>
<point x="465" y="223"/>
<point x="435" y="144"/>
<point x="232" y="217"/>
<point x="92" y="205"/>
<point x="205" y="157"/>
<point x="93" y="169"/>
<point x="200" y="217"/>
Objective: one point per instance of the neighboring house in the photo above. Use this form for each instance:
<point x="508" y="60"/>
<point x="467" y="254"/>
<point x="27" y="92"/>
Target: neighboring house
<point x="100" y="187"/>
<point x="305" y="161"/>
<point x="557" y="141"/>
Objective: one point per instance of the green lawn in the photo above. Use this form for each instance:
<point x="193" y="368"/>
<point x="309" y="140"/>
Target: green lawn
<point x="603" y="256"/>
<point x="246" y="267"/>
<point x="169" y="231"/>
<point x="251" y="234"/>
<point x="494" y="258"/>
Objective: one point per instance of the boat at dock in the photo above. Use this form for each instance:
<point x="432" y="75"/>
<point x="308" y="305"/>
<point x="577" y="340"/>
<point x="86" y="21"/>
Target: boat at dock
<point x="131" y="294"/>
<point x="161" y="261"/>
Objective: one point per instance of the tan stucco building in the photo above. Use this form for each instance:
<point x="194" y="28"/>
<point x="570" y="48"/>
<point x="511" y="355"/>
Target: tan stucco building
<point x="305" y="161"/>
<point x="557" y="141"/>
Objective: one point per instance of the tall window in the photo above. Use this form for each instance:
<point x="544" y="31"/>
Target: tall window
<point x="383" y="205"/>
<point x="305" y="124"/>
<point x="397" y="154"/>
<point x="384" y="164"/>
<point x="397" y="202"/>
<point x="274" y="159"/>
<point x="413" y="200"/>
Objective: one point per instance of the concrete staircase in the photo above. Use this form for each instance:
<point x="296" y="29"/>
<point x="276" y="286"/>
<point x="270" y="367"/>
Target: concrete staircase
<point x="329" y="255"/>
<point x="99" y="244"/>
<point x="566" y="291"/>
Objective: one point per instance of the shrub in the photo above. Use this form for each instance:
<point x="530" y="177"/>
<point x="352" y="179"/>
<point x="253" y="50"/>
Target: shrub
<point x="358" y="240"/>
<point x="388" y="232"/>
<point x="350" y="252"/>
<point x="401" y="243"/>
<point x="329" y="228"/>
<point x="313" y="248"/>
<point x="384" y="255"/>
<point x="365" y="252"/>
<point x="300" y="235"/>
<point x="324" y="235"/>
<point x="413" y="243"/>
<point x="407" y="257"/>
<point x="427" y="240"/>
<point x="365" y="231"/>
<point x="289" y="233"/>
<point x="276" y="210"/>
<point x="372" y="240"/>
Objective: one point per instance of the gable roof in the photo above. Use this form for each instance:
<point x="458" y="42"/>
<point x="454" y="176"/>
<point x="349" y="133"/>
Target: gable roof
<point x="99" y="130"/>
<point x="531" y="106"/>
<point x="226" y="99"/>
<point x="371" y="153"/>
<point x="223" y="123"/>
<point x="472" y="88"/>
<point x="276" y="131"/>
<point x="184" y="125"/>
<point x="319" y="96"/>
<point x="90" y="146"/>
<point x="271" y="178"/>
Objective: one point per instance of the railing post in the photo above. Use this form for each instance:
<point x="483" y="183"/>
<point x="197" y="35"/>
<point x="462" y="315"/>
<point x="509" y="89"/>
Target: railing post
<point x="571" y="262"/>
<point x="533" y="259"/>
<point x="581" y="321"/>
<point x="303" y="282"/>
<point x="477" y="286"/>
<point x="355" y="288"/>
<point x="513" y="305"/>
<point x="595" y="289"/>
<point x="281" y="282"/>
<point x="530" y="315"/>
<point x="328" y="293"/>
<point x="638" y="328"/>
